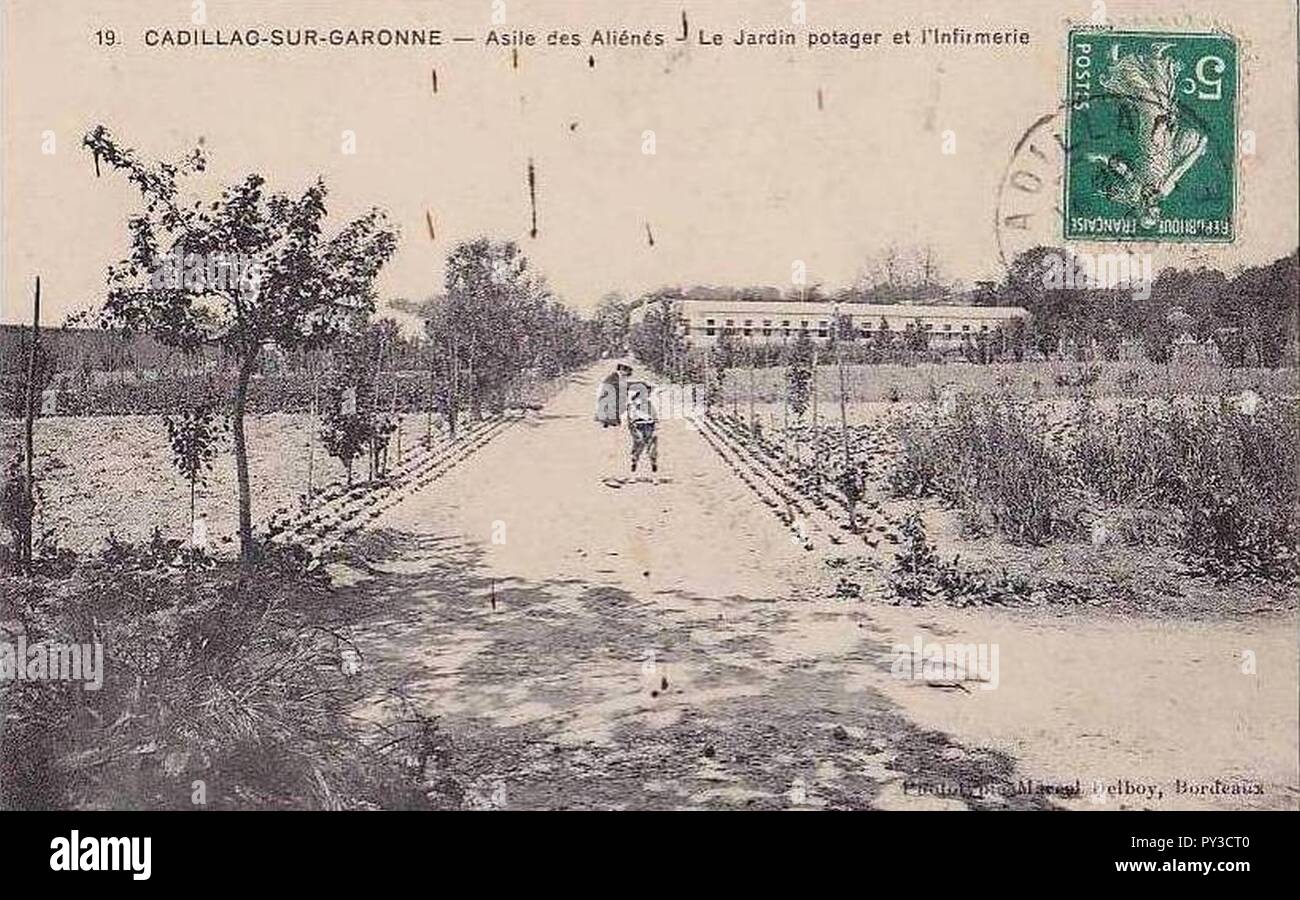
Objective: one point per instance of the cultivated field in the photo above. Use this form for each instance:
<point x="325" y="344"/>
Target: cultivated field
<point x="1026" y="380"/>
<point x="1017" y="484"/>
<point x="114" y="473"/>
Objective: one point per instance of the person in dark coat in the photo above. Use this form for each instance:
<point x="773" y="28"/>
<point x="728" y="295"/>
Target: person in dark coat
<point x="612" y="396"/>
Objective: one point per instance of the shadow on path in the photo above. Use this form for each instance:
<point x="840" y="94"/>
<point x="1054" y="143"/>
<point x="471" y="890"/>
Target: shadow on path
<point x="569" y="694"/>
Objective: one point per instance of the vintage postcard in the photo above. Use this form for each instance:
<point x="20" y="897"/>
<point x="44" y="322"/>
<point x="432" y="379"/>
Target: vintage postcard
<point x="504" y="405"/>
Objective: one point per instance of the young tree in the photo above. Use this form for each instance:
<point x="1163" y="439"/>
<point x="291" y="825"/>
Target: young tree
<point x="799" y="374"/>
<point x="345" y="434"/>
<point x="280" y="280"/>
<point x="193" y="436"/>
<point x="722" y="356"/>
<point x="17" y="515"/>
<point x="884" y="337"/>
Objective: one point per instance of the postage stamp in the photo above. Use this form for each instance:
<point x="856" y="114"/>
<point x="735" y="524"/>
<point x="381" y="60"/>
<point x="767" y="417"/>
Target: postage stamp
<point x="1151" y="127"/>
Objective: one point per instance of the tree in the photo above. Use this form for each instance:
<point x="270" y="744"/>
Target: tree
<point x="656" y="340"/>
<point x="1158" y="340"/>
<point x="612" y="324"/>
<point x="799" y="374"/>
<point x="17" y="514"/>
<point x="884" y="337"/>
<point x="193" y="437"/>
<point x="259" y="272"/>
<point x="345" y="432"/>
<point x="359" y="358"/>
<point x="1261" y="301"/>
<point x="899" y="274"/>
<point x="916" y="337"/>
<point x="722" y="356"/>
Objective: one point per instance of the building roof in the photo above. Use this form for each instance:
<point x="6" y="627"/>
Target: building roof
<point x="857" y="310"/>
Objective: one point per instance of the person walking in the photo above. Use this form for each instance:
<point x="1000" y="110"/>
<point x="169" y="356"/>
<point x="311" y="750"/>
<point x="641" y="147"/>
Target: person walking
<point x="642" y="422"/>
<point x="611" y="397"/>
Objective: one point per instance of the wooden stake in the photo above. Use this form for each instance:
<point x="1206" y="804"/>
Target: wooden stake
<point x="29" y="482"/>
<point x="398" y="420"/>
<point x="848" y="486"/>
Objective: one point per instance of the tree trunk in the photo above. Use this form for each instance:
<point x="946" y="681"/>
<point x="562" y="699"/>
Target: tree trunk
<point x="428" y="416"/>
<point x="453" y="399"/>
<point x="246" y="546"/>
<point x="313" y="426"/>
<point x="752" y="363"/>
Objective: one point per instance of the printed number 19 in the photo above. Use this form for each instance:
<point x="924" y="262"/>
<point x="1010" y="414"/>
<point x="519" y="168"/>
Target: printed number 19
<point x="106" y="37"/>
<point x="1204" y="86"/>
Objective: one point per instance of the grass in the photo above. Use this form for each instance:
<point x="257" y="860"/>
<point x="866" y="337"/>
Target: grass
<point x="217" y="673"/>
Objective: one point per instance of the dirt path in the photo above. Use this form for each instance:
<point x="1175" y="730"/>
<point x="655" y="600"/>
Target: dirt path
<point x="590" y="638"/>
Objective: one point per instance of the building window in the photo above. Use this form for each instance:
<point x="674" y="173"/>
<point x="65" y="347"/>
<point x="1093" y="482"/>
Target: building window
<point x="929" y="326"/>
<point x="965" y="328"/>
<point x="749" y="327"/>
<point x="947" y="326"/>
<point x="821" y="328"/>
<point x="709" y="327"/>
<point x="729" y="327"/>
<point x="984" y="328"/>
<point x="767" y="328"/>
<point x="803" y="326"/>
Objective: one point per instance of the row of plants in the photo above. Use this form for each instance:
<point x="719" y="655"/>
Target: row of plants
<point x="1217" y="478"/>
<point x="920" y="576"/>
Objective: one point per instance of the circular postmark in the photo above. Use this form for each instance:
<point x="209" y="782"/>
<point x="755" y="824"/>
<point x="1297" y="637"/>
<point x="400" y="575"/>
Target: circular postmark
<point x="1028" y="212"/>
<point x="1064" y="156"/>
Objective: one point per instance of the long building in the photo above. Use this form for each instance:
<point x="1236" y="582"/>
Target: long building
<point x="704" y="321"/>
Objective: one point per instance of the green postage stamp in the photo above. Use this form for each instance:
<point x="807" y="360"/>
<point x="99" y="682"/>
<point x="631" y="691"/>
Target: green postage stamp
<point x="1151" y="137"/>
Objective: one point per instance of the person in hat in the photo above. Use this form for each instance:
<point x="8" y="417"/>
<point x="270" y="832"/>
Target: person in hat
<point x="641" y="422"/>
<point x="611" y="397"/>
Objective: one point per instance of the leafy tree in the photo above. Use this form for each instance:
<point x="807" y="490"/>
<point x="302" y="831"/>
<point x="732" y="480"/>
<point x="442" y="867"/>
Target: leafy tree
<point x="17" y="513"/>
<point x="193" y="436"/>
<point x="884" y="337"/>
<point x="1158" y="340"/>
<point x="295" y="289"/>
<point x="360" y="357"/>
<point x="345" y="434"/>
<point x="799" y="374"/>
<point x="495" y="325"/>
<point x="612" y="324"/>
<point x="916" y="338"/>
<point x="657" y="340"/>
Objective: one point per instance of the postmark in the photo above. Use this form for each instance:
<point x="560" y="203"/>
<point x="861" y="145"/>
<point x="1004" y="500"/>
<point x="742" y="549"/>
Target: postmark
<point x="1028" y="211"/>
<point x="1150" y="137"/>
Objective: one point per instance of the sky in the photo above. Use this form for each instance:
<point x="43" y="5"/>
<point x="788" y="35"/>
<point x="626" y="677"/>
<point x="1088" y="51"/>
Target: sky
<point x="766" y="160"/>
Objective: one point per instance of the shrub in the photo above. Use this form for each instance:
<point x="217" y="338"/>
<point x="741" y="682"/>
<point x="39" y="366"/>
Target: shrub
<point x="920" y="576"/>
<point x="991" y="457"/>
<point x="1223" y="472"/>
